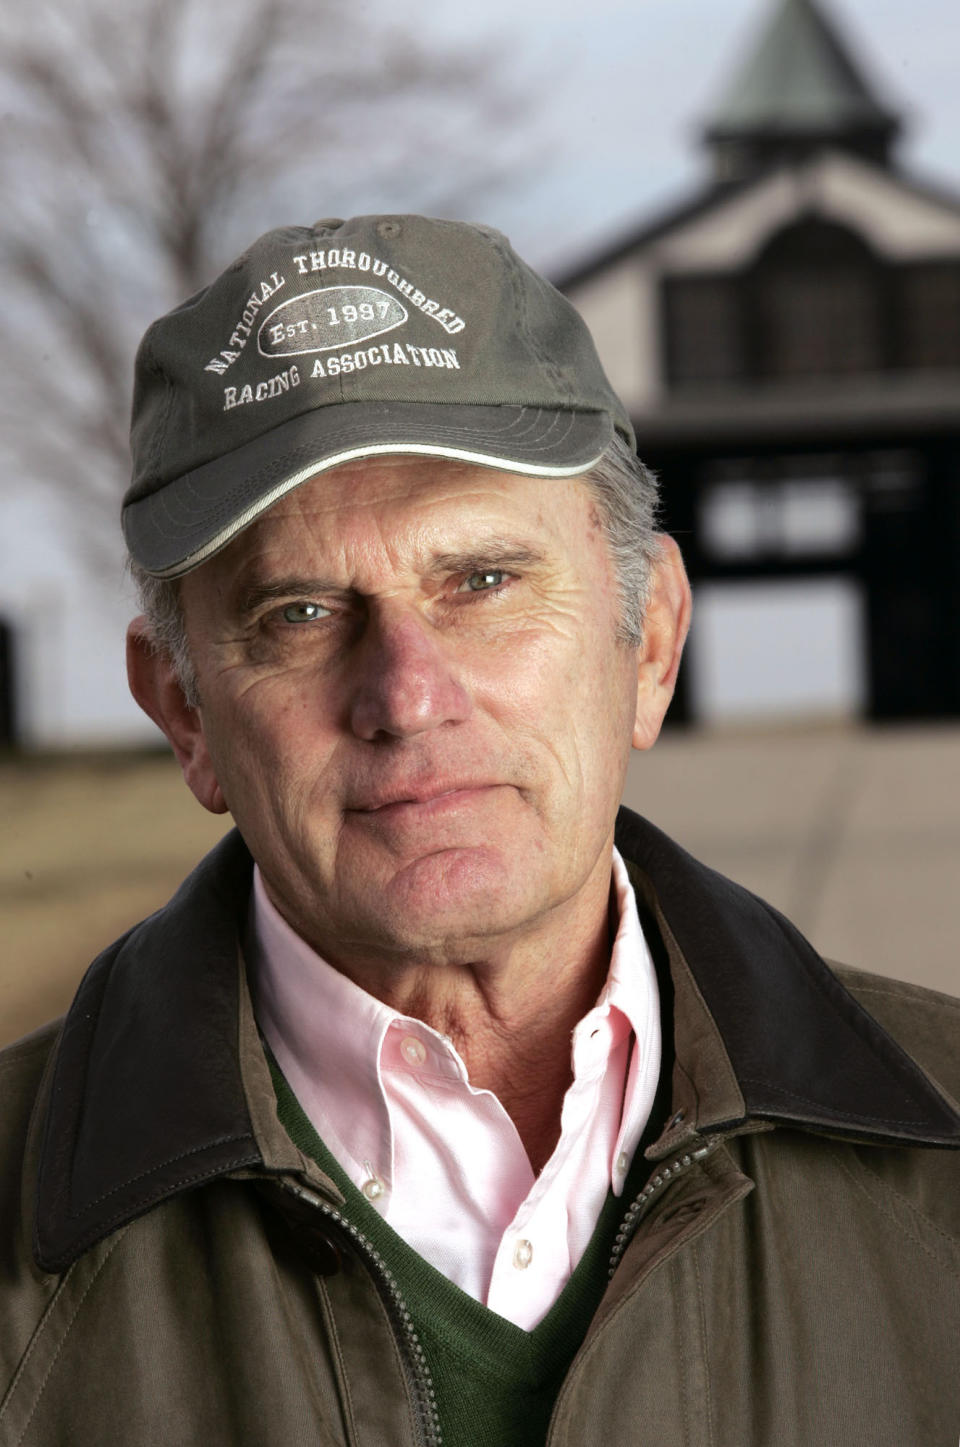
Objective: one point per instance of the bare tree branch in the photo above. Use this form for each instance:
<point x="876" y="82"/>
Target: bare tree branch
<point x="143" y="144"/>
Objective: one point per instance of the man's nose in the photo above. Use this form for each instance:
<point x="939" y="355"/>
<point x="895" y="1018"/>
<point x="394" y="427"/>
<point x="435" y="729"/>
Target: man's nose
<point x="405" y="682"/>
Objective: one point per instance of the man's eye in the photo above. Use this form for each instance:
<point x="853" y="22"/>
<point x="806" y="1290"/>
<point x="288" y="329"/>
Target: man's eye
<point x="482" y="580"/>
<point x="304" y="612"/>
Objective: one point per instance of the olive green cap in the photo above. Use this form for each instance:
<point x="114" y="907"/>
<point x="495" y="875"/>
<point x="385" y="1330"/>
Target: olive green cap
<point x="346" y="340"/>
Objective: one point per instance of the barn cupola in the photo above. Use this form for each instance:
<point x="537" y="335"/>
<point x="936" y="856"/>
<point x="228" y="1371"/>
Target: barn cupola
<point x="799" y="91"/>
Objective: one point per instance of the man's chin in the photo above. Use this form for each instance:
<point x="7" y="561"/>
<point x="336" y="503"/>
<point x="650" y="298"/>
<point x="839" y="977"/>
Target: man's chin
<point x="453" y="899"/>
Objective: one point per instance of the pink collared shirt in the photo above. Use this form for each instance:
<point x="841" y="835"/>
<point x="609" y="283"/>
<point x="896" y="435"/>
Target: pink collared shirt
<point x="442" y="1160"/>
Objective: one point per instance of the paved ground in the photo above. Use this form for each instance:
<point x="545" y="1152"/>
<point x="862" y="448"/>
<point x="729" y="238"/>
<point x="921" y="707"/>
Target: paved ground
<point x="854" y="833"/>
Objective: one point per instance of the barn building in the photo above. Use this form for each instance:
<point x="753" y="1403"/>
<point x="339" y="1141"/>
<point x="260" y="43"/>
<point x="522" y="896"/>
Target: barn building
<point x="788" y="343"/>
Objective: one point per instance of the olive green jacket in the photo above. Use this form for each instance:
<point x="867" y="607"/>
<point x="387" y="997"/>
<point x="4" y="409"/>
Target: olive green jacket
<point x="173" y="1271"/>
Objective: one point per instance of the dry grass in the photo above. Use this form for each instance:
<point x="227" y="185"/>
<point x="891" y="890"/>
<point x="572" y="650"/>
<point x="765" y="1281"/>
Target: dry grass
<point x="89" y="846"/>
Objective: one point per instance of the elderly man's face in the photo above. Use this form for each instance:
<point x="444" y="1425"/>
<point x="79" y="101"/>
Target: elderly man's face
<point x="414" y="702"/>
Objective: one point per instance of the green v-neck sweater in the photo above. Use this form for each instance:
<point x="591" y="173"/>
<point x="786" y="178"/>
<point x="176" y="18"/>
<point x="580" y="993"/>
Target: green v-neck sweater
<point x="495" y="1383"/>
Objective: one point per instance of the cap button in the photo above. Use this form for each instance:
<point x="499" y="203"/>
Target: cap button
<point x="329" y="223"/>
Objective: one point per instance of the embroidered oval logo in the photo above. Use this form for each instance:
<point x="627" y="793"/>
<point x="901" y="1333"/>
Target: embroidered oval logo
<point x="318" y="321"/>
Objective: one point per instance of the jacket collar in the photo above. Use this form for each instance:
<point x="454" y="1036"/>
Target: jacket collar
<point x="152" y="1088"/>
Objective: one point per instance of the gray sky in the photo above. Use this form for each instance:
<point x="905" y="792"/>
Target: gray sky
<point x="620" y="88"/>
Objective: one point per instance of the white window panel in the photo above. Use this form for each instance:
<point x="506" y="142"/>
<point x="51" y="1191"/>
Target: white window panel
<point x="731" y="521"/>
<point x="778" y="650"/>
<point x="818" y="515"/>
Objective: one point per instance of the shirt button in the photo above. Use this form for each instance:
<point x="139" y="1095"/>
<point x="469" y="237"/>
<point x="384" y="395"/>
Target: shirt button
<point x="522" y="1255"/>
<point x="372" y="1189"/>
<point x="413" y="1050"/>
<point x="623" y="1161"/>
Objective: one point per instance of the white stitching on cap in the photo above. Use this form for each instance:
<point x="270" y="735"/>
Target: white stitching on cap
<point x="221" y="539"/>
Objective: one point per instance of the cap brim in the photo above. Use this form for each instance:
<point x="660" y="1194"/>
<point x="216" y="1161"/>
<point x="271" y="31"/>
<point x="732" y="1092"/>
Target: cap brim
<point x="181" y="525"/>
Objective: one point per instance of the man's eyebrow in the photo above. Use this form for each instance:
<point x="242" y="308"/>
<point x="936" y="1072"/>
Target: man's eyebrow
<point x="253" y="595"/>
<point x="490" y="553"/>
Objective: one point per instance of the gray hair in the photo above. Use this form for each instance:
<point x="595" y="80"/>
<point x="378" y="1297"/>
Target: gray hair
<point x="627" y="494"/>
<point x="625" y="491"/>
<point x="162" y="607"/>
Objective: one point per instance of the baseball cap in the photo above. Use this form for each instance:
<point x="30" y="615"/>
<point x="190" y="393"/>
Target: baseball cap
<point x="347" y="340"/>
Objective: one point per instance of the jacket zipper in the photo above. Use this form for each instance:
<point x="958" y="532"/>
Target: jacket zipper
<point x="654" y="1186"/>
<point x="424" y="1395"/>
<point x="421" y="1382"/>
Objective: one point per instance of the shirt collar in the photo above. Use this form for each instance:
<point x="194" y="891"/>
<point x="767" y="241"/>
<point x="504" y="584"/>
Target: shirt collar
<point x="632" y="991"/>
<point x="325" y="1031"/>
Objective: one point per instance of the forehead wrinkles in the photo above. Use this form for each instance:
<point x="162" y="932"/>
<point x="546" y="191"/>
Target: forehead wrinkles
<point x="406" y="521"/>
<point x="380" y="517"/>
<point x="356" y="547"/>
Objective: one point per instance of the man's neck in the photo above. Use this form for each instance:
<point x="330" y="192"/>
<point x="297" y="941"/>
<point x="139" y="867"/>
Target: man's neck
<point x="510" y="1014"/>
<point x="514" y="1038"/>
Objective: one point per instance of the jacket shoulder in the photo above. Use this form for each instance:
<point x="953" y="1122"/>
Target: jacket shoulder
<point x="925" y="1022"/>
<point x="24" y="1291"/>
<point x="21" y="1069"/>
<point x="927" y="1025"/>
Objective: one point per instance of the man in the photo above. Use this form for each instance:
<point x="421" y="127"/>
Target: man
<point x="442" y="1104"/>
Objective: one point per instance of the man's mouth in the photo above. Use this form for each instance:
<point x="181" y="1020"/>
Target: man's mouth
<point x="424" y="799"/>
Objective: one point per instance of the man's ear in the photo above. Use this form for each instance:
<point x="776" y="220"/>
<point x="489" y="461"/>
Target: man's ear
<point x="155" y="686"/>
<point x="666" y="621"/>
